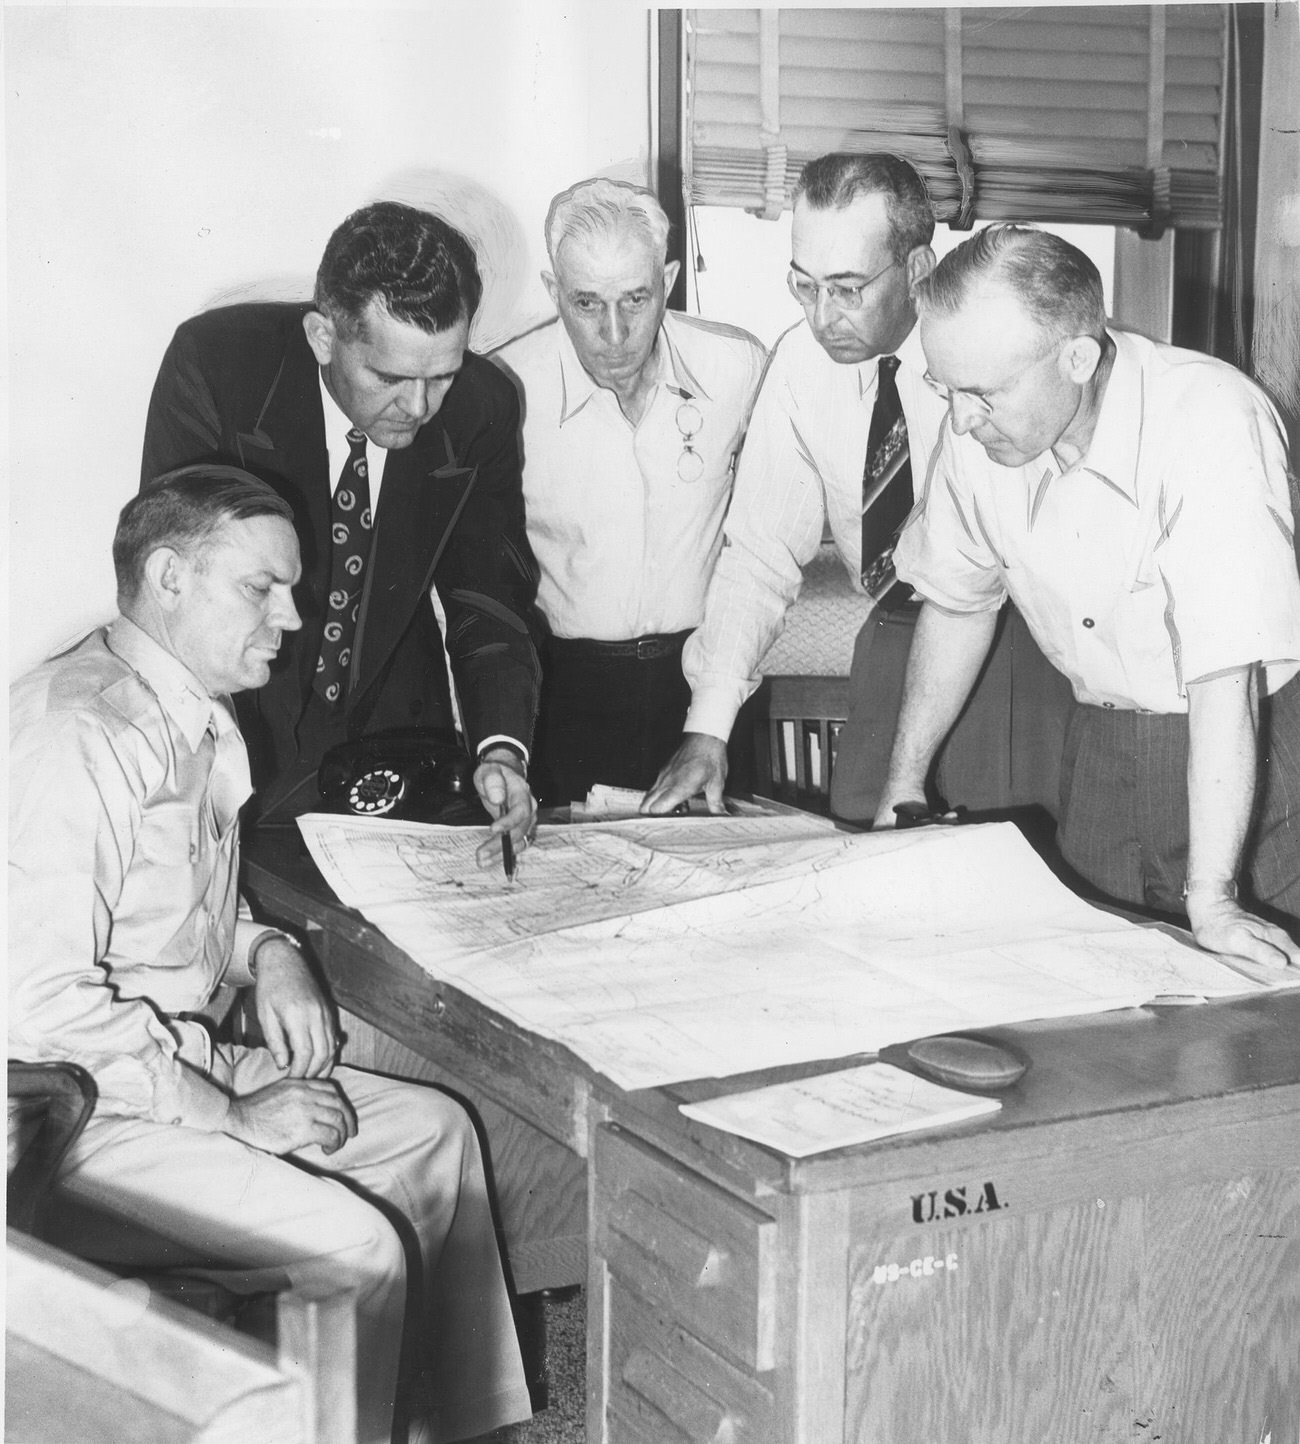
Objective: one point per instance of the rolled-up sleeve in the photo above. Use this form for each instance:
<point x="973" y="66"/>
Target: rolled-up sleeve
<point x="772" y="531"/>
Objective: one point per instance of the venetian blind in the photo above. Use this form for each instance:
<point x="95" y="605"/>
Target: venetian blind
<point x="1106" y="114"/>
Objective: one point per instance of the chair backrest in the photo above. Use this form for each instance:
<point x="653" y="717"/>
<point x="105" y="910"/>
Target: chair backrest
<point x="797" y="737"/>
<point x="48" y="1106"/>
<point x="67" y="1320"/>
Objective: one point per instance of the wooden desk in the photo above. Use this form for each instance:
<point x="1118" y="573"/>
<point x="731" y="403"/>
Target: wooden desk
<point x="1115" y="1255"/>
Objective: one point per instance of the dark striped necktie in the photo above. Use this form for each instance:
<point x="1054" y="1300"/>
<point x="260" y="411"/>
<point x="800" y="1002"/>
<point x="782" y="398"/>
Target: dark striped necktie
<point x="886" y="491"/>
<point x="350" y="535"/>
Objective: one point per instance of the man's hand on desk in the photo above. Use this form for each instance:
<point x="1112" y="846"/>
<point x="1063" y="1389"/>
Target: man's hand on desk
<point x="292" y="1114"/>
<point x="903" y="788"/>
<point x="502" y="786"/>
<point x="295" y="1017"/>
<point x="698" y="766"/>
<point x="1221" y="925"/>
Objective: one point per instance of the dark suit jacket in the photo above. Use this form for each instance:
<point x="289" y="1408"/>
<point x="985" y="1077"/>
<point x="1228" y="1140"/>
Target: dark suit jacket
<point x="240" y="385"/>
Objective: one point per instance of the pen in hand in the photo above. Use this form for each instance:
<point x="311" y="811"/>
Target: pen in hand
<point x="508" y="856"/>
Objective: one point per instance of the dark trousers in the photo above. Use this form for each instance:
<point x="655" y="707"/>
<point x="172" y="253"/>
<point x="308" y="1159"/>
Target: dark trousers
<point x="1124" y="807"/>
<point x="1003" y="753"/>
<point x="292" y="790"/>
<point x="611" y="713"/>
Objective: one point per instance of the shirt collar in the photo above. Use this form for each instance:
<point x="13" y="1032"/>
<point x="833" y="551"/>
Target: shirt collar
<point x="337" y="424"/>
<point x="180" y="693"/>
<point x="577" y="386"/>
<point x="909" y="354"/>
<point x="675" y="371"/>
<point x="1116" y="439"/>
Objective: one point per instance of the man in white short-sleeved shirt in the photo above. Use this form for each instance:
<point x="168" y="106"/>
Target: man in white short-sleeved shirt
<point x="1132" y="499"/>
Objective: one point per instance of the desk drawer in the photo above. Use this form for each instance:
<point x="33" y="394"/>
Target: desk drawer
<point x="705" y="1257"/>
<point x="665" y="1387"/>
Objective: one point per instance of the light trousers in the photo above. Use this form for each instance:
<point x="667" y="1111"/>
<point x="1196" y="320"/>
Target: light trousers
<point x="151" y="1195"/>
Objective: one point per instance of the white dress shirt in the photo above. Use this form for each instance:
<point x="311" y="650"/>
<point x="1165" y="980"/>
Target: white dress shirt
<point x="337" y="426"/>
<point x="624" y="543"/>
<point x="1165" y="556"/>
<point x="801" y="466"/>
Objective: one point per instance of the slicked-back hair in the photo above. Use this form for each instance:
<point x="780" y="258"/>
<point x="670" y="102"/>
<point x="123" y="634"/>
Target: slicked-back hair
<point x="834" y="181"/>
<point x="1054" y="281"/>
<point x="419" y="269"/>
<point x="184" y="509"/>
<point x="601" y="207"/>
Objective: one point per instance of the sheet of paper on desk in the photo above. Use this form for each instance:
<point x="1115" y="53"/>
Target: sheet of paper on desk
<point x="604" y="804"/>
<point x="836" y="1110"/>
<point x="665" y="949"/>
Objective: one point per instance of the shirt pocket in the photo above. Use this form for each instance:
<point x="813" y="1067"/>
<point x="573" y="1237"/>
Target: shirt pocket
<point x="170" y="835"/>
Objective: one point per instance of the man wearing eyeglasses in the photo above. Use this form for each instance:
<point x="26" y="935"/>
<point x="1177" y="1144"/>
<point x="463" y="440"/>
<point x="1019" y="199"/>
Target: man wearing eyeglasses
<point x="815" y="453"/>
<point x="1132" y="499"/>
<point x="632" y="419"/>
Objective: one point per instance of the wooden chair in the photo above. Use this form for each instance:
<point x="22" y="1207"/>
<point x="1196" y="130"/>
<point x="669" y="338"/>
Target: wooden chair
<point x="796" y="737"/>
<point x="96" y="1359"/>
<point x="48" y="1106"/>
<point x="93" y="1355"/>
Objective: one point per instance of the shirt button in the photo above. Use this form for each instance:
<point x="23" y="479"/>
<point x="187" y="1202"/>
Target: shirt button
<point x="1109" y="705"/>
<point x="1088" y="622"/>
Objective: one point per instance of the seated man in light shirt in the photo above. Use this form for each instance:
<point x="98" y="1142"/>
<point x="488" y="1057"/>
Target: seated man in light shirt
<point x="260" y="1167"/>
<point x="1132" y="500"/>
<point x="633" y="415"/>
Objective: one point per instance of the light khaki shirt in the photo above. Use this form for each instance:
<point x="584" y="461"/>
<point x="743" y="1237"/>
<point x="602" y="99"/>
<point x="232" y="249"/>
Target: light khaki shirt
<point x="126" y="779"/>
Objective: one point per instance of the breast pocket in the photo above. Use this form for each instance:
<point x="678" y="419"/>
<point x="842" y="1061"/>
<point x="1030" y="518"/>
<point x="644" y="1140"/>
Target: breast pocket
<point x="170" y="835"/>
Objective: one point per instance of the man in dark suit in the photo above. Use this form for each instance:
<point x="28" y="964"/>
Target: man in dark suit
<point x="397" y="450"/>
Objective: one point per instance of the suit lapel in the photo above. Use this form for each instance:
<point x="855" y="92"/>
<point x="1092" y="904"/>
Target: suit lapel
<point x="286" y="445"/>
<point x="423" y="492"/>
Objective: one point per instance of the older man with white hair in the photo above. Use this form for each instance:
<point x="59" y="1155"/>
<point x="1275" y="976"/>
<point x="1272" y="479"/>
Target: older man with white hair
<point x="633" y="415"/>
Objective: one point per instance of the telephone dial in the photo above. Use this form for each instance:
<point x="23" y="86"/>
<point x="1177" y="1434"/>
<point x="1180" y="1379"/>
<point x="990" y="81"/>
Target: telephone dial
<point x="410" y="774"/>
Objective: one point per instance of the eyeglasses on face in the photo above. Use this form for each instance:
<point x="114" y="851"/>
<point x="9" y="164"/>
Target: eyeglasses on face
<point x="986" y="399"/>
<point x="844" y="298"/>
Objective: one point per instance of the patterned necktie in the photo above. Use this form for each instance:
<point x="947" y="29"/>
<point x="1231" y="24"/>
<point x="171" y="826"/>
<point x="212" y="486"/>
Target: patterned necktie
<point x="350" y="533"/>
<point x="886" y="491"/>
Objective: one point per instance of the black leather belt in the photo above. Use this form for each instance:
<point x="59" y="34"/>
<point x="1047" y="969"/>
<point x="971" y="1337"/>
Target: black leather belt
<point x="644" y="649"/>
<point x="909" y="606"/>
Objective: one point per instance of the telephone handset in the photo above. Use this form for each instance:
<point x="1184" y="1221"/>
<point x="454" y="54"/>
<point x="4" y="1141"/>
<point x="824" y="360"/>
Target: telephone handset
<point x="414" y="774"/>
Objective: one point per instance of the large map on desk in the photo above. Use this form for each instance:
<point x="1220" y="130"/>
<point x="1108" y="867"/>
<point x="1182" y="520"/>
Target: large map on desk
<point x="665" y="949"/>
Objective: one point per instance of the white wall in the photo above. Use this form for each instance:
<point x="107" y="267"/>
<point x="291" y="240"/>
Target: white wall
<point x="161" y="159"/>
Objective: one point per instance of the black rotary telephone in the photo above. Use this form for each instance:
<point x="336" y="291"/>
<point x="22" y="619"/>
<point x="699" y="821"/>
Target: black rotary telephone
<point x="410" y="774"/>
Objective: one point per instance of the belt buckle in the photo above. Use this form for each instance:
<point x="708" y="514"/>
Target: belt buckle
<point x="647" y="649"/>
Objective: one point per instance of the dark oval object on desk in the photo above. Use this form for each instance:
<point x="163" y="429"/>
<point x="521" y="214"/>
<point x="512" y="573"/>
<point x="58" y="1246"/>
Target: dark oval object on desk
<point x="966" y="1062"/>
